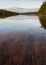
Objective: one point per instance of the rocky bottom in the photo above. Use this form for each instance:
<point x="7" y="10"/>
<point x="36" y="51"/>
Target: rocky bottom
<point x="22" y="49"/>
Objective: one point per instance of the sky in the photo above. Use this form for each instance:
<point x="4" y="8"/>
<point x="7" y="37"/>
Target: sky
<point x="30" y="4"/>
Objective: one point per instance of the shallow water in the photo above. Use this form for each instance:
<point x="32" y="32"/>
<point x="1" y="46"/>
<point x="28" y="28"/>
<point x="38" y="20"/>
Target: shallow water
<point x="23" y="40"/>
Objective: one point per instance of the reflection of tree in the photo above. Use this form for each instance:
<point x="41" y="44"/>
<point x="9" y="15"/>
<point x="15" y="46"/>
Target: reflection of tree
<point x="43" y="21"/>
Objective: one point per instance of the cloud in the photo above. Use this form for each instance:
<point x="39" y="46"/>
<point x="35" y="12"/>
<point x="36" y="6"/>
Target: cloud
<point x="20" y="3"/>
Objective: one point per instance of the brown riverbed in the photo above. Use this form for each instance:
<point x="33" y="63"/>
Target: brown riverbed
<point x="22" y="49"/>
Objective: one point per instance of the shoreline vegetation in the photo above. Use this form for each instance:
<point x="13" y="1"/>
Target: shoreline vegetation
<point x="6" y="13"/>
<point x="41" y="12"/>
<point x="42" y="9"/>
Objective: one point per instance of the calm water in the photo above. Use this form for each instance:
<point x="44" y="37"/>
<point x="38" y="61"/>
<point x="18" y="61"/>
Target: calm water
<point x="21" y="23"/>
<point x="23" y="40"/>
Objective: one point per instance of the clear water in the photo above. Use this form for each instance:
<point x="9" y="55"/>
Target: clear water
<point x="21" y="23"/>
<point x="23" y="40"/>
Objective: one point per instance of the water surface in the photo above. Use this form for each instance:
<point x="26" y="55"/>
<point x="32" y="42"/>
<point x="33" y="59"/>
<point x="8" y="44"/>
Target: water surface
<point x="23" y="40"/>
<point x="20" y="23"/>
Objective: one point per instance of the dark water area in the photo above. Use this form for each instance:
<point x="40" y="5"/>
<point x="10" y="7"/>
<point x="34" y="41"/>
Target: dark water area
<point x="23" y="40"/>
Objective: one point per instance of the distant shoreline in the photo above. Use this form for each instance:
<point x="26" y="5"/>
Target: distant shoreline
<point x="6" y="13"/>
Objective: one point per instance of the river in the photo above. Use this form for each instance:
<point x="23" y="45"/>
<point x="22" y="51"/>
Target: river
<point x="23" y="40"/>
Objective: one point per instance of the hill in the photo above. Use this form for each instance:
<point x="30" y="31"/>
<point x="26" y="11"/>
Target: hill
<point x="5" y="13"/>
<point x="42" y="9"/>
<point x="16" y="11"/>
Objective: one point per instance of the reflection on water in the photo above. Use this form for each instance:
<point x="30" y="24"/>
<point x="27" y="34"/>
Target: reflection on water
<point x="22" y="41"/>
<point x="43" y="21"/>
<point x="19" y="23"/>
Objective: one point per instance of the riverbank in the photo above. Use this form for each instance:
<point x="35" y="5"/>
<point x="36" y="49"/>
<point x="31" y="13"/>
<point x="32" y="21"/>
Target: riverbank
<point x="5" y="13"/>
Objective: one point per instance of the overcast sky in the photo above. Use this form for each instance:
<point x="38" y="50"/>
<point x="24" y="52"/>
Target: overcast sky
<point x="21" y="3"/>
